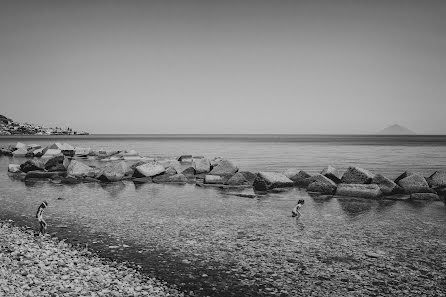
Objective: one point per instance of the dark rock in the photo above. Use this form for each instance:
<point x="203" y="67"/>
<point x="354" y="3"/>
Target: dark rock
<point x="357" y="175"/>
<point x="51" y="162"/>
<point x="189" y="171"/>
<point x="269" y="180"/>
<point x="415" y="183"/>
<point x="31" y="165"/>
<point x="5" y="152"/>
<point x="302" y="179"/>
<point x="424" y="196"/>
<point x="44" y="174"/>
<point x="224" y="167"/>
<point x="250" y="176"/>
<point x="70" y="180"/>
<point x="176" y="179"/>
<point x="322" y="184"/>
<point x="142" y="180"/>
<point x="58" y="167"/>
<point x="387" y="186"/>
<point x="237" y="179"/>
<point x="331" y="173"/>
<point x="202" y="165"/>
<point x="359" y="190"/>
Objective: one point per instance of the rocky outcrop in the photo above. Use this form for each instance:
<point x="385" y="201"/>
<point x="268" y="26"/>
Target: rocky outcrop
<point x="331" y="173"/>
<point x="437" y="179"/>
<point x="79" y="169"/>
<point x="359" y="190"/>
<point x="269" y="180"/>
<point x="322" y="184"/>
<point x="237" y="179"/>
<point x="424" y="196"/>
<point x="387" y="186"/>
<point x="202" y="165"/>
<point x="414" y="183"/>
<point x="224" y="167"/>
<point x="150" y="169"/>
<point x="357" y="175"/>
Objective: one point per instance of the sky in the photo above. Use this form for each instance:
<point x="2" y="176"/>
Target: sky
<point x="328" y="67"/>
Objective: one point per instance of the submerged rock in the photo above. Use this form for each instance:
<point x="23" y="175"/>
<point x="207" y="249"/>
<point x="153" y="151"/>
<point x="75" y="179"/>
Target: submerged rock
<point x="424" y="196"/>
<point x="359" y="190"/>
<point x="357" y="175"/>
<point x="322" y="184"/>
<point x="269" y="180"/>
<point x="176" y="179"/>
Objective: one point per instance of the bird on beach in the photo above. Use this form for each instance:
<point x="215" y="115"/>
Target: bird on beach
<point x="295" y="212"/>
<point x="39" y="216"/>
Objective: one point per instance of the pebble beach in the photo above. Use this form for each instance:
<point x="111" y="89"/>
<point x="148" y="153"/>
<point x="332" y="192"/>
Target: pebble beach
<point x="44" y="266"/>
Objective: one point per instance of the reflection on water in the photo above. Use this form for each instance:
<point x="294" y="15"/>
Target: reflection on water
<point x="353" y="207"/>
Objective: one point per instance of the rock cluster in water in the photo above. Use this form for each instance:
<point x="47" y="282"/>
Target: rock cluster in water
<point x="39" y="266"/>
<point x="63" y="163"/>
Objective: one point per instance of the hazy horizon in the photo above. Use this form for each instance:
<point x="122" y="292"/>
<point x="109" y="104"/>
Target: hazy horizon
<point x="225" y="67"/>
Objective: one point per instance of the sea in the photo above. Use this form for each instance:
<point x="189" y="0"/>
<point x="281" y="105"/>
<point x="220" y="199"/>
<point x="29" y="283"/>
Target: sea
<point x="206" y="241"/>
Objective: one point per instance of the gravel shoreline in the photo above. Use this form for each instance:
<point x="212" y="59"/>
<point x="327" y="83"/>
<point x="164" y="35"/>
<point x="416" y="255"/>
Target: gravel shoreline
<point x="44" y="266"/>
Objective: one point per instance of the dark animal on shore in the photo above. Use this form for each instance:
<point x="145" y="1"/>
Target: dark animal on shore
<point x="295" y="212"/>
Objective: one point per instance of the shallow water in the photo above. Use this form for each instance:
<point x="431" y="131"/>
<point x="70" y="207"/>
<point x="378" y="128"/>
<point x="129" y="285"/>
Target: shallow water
<point x="202" y="239"/>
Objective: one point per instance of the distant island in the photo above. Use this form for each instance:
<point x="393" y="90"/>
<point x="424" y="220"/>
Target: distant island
<point x="396" y="130"/>
<point x="10" y="127"/>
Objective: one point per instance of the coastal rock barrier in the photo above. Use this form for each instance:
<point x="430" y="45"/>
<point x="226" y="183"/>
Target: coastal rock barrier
<point x="63" y="163"/>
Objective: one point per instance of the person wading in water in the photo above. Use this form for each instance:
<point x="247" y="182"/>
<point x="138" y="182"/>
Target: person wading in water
<point x="39" y="216"/>
<point x="295" y="212"/>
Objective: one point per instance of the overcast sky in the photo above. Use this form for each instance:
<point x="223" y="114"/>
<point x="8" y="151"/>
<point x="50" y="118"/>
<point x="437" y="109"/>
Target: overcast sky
<point x="225" y="66"/>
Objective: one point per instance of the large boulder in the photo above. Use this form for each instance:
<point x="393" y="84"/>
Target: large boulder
<point x="171" y="163"/>
<point x="387" y="186"/>
<point x="437" y="179"/>
<point x="331" y="173"/>
<point x="224" y="167"/>
<point x="14" y="168"/>
<point x="214" y="179"/>
<point x="202" y="165"/>
<point x="237" y="179"/>
<point x="321" y="184"/>
<point x="115" y="171"/>
<point x="79" y="169"/>
<point x="301" y="179"/>
<point x="31" y="165"/>
<point x="359" y="190"/>
<point x="415" y="183"/>
<point x="150" y="169"/>
<point x="173" y="179"/>
<point x="424" y="196"/>
<point x="357" y="175"/>
<point x="54" y="161"/>
<point x="269" y="180"/>
<point x="403" y="175"/>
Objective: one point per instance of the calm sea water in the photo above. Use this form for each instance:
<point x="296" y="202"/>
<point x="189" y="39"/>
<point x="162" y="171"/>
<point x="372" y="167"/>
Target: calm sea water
<point x="202" y="239"/>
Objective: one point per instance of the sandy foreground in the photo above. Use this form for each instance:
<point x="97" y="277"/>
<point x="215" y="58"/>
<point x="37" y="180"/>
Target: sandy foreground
<point x="44" y="266"/>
